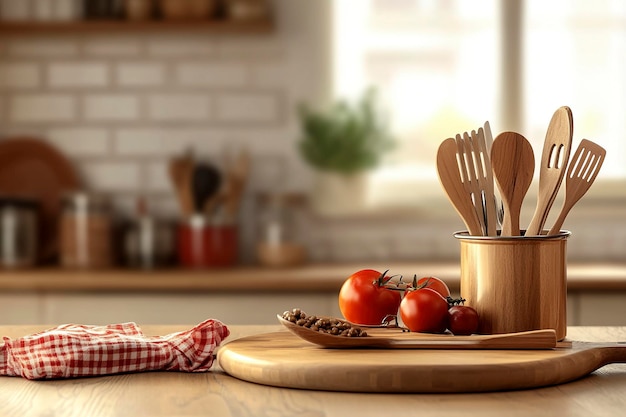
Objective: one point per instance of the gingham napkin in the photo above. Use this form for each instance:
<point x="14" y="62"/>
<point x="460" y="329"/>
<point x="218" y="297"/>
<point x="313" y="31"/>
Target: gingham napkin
<point x="72" y="350"/>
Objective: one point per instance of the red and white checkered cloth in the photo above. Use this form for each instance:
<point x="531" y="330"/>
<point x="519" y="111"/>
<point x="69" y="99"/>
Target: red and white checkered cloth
<point x="73" y="350"/>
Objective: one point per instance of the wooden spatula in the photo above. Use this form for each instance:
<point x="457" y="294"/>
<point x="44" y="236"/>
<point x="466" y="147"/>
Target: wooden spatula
<point x="395" y="338"/>
<point x="581" y="173"/>
<point x="513" y="163"/>
<point x="556" y="151"/>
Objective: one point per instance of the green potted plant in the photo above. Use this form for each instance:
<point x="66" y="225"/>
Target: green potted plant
<point x="343" y="143"/>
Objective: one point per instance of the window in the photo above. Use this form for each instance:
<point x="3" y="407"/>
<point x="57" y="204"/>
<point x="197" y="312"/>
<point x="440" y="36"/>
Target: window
<point x="446" y="66"/>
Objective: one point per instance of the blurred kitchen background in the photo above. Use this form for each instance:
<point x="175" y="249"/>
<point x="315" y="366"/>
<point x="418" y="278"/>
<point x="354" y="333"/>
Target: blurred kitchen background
<point x="120" y="104"/>
<point x="124" y="103"/>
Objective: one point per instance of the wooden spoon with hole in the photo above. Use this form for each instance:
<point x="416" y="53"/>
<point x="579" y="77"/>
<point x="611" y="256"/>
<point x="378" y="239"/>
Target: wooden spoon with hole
<point x="556" y="150"/>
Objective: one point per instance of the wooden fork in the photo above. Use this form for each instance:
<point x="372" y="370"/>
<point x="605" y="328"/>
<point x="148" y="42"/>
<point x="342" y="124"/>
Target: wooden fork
<point x="581" y="173"/>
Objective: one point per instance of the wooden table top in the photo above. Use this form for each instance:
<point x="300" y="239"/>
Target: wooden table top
<point x="216" y="394"/>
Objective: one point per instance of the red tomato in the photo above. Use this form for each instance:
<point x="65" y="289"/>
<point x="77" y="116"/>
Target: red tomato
<point x="363" y="298"/>
<point x="424" y="310"/>
<point x="462" y="320"/>
<point x="436" y="284"/>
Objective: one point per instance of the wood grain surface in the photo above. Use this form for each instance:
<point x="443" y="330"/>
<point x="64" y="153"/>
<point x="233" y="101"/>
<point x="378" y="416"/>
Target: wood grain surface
<point x="214" y="393"/>
<point x="282" y="359"/>
<point x="495" y="272"/>
<point x="593" y="276"/>
<point x="396" y="338"/>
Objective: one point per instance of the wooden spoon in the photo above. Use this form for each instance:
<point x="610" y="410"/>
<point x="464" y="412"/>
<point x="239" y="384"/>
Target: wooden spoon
<point x="450" y="178"/>
<point x="395" y="338"/>
<point x="180" y="171"/>
<point x="581" y="173"/>
<point x="556" y="150"/>
<point x="513" y="163"/>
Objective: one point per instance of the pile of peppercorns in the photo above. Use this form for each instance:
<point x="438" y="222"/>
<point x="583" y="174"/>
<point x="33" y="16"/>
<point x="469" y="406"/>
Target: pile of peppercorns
<point x="331" y="326"/>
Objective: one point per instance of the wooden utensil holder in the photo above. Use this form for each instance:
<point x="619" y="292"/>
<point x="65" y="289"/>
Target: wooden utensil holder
<point x="515" y="283"/>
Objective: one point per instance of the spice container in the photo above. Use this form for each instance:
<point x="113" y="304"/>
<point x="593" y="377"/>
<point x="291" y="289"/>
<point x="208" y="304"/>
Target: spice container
<point x="279" y="239"/>
<point x="86" y="231"/>
<point x="148" y="242"/>
<point x="247" y="9"/>
<point x="18" y="232"/>
<point x="207" y="242"/>
<point x="138" y="9"/>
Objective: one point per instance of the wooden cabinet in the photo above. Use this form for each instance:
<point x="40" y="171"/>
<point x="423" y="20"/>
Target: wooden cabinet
<point x="247" y="295"/>
<point x="155" y="308"/>
<point x="586" y="309"/>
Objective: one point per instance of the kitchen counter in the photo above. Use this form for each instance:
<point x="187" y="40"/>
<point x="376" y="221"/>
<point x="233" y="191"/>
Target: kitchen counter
<point x="217" y="394"/>
<point x="314" y="277"/>
<point x="251" y="295"/>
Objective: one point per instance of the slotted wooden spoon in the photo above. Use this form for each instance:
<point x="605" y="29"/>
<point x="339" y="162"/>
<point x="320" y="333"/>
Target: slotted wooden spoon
<point x="484" y="178"/>
<point x="556" y="151"/>
<point x="395" y="338"/>
<point x="513" y="163"/>
<point x="451" y="181"/>
<point x="581" y="173"/>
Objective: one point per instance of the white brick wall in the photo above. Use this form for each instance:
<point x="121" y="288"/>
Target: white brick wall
<point x="36" y="108"/>
<point x="218" y="75"/>
<point x="19" y="75"/>
<point x="111" y="107"/>
<point x="113" y="176"/>
<point x="80" y="142"/>
<point x="137" y="74"/>
<point x="247" y="108"/>
<point x="78" y="74"/>
<point x="112" y="46"/>
<point x="121" y="104"/>
<point x="43" y="48"/>
<point x="179" y="107"/>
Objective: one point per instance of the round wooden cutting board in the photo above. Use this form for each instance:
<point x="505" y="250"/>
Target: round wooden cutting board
<point x="284" y="360"/>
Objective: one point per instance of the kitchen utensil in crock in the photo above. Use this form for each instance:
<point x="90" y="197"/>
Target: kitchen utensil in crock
<point x="31" y="168"/>
<point x="581" y="173"/>
<point x="181" y="174"/>
<point x="469" y="179"/>
<point x="396" y="338"/>
<point x="484" y="177"/>
<point x="496" y="193"/>
<point x="513" y="163"/>
<point x="237" y="177"/>
<point x="206" y="183"/>
<point x="451" y="181"/>
<point x="556" y="151"/>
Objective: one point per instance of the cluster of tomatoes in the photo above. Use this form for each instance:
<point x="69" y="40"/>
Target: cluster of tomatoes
<point x="369" y="297"/>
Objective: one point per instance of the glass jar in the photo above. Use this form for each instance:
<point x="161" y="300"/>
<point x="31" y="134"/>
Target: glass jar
<point x="18" y="232"/>
<point x="86" y="231"/>
<point x="279" y="239"/>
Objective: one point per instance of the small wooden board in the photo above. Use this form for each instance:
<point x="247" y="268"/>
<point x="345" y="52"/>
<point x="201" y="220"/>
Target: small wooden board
<point x="284" y="360"/>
